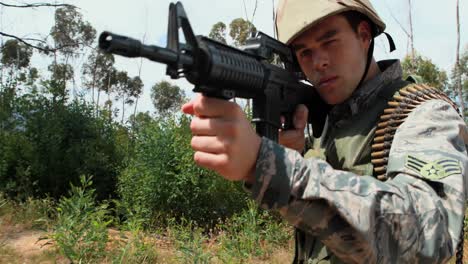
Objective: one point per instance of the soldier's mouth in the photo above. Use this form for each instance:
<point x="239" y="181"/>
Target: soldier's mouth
<point x="324" y="82"/>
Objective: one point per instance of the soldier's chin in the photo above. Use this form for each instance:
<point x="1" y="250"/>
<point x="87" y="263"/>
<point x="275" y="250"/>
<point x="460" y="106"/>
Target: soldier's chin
<point x="331" y="99"/>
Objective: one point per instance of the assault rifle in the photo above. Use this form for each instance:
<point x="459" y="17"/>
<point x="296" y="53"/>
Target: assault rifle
<point x="218" y="70"/>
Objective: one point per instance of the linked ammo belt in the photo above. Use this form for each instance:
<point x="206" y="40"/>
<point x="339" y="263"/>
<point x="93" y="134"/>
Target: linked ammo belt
<point x="399" y="107"/>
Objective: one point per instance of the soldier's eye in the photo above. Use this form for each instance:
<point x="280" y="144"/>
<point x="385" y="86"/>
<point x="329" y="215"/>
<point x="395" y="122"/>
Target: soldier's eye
<point x="305" y="53"/>
<point x="329" y="42"/>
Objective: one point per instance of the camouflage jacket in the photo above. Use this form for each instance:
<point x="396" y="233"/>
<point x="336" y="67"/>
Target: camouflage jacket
<point x="416" y="216"/>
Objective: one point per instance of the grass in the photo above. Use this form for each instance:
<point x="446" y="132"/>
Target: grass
<point x="31" y="214"/>
<point x="7" y="254"/>
<point x="82" y="231"/>
<point x="253" y="236"/>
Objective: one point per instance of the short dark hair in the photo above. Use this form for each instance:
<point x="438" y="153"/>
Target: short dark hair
<point x="355" y="18"/>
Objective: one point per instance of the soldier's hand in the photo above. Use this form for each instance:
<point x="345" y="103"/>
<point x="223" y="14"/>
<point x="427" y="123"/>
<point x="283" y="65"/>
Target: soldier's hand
<point x="294" y="138"/>
<point x="223" y="139"/>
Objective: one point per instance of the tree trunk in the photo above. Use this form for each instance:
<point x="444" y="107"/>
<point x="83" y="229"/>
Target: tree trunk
<point x="410" y="9"/>
<point x="139" y="76"/>
<point x="458" y="69"/>
<point x="123" y="108"/>
<point x="97" y="103"/>
<point x="64" y="81"/>
<point x="109" y="109"/>
<point x="135" y="109"/>
<point x="94" y="83"/>
<point x="108" y="91"/>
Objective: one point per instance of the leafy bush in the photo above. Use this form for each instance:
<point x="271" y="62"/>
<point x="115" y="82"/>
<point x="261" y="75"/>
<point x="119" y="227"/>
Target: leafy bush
<point x="48" y="145"/>
<point x="31" y="213"/>
<point x="162" y="181"/>
<point x="81" y="228"/>
<point x="252" y="233"/>
<point x="134" y="248"/>
<point x="16" y="151"/>
<point x="191" y="242"/>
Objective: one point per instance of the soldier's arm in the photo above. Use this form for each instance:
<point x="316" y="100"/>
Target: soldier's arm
<point x="414" y="217"/>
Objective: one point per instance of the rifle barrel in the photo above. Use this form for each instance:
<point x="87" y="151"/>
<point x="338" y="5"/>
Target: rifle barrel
<point x="132" y="48"/>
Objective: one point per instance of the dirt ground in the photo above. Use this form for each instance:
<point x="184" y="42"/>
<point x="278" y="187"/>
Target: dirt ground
<point x="28" y="246"/>
<point x="26" y="243"/>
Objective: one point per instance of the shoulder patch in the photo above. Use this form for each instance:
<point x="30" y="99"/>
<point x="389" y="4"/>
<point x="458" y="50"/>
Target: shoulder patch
<point x="433" y="170"/>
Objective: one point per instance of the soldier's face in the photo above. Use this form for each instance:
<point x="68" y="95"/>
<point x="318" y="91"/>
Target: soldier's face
<point x="333" y="57"/>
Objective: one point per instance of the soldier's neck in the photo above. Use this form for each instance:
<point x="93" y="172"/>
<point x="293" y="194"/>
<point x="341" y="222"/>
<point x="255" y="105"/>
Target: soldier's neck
<point x="374" y="70"/>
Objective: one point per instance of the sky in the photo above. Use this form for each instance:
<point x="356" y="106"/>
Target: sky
<point x="434" y="27"/>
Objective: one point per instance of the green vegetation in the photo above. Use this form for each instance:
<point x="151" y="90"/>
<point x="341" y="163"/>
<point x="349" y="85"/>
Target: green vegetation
<point x="78" y="230"/>
<point x="162" y="181"/>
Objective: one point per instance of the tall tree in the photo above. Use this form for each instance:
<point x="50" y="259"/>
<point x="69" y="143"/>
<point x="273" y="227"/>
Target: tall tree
<point x="71" y="33"/>
<point x="56" y="85"/>
<point x="96" y="72"/>
<point x="458" y="73"/>
<point x="167" y="97"/>
<point x="16" y="58"/>
<point x="240" y="30"/>
<point x="218" y="32"/>
<point x="135" y="90"/>
<point x="121" y="88"/>
<point x="15" y="54"/>
<point x="109" y="86"/>
<point x="411" y="32"/>
<point x="460" y="79"/>
<point x="127" y="89"/>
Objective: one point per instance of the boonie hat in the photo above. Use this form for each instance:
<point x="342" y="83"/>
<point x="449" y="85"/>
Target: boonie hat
<point x="296" y="16"/>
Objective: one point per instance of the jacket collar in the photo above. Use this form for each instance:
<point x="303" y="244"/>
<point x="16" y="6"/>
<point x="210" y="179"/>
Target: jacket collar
<point x="365" y="95"/>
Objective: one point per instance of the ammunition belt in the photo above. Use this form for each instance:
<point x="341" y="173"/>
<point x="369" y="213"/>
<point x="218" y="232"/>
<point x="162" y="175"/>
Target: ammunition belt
<point x="399" y="107"/>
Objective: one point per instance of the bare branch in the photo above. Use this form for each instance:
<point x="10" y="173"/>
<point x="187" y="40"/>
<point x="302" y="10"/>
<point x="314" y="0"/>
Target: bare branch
<point x="34" y="39"/>
<point x="398" y="21"/>
<point x="275" y="29"/>
<point x="245" y="10"/>
<point x="255" y="10"/>
<point x="25" y="42"/>
<point x="35" y="46"/>
<point x="37" y="5"/>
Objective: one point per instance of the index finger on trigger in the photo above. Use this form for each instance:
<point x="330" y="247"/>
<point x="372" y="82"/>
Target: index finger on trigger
<point x="187" y="108"/>
<point x="212" y="107"/>
<point x="300" y="116"/>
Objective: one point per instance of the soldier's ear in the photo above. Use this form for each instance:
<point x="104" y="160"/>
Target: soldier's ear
<point x="364" y="31"/>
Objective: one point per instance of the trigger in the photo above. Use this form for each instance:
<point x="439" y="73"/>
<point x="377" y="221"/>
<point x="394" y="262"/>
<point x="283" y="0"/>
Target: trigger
<point x="286" y="123"/>
<point x="283" y="122"/>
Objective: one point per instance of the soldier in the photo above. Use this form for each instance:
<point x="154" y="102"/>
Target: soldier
<point x="386" y="181"/>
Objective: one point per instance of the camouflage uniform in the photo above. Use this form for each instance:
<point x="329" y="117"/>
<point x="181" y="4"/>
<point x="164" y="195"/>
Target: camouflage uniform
<point x="416" y="216"/>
